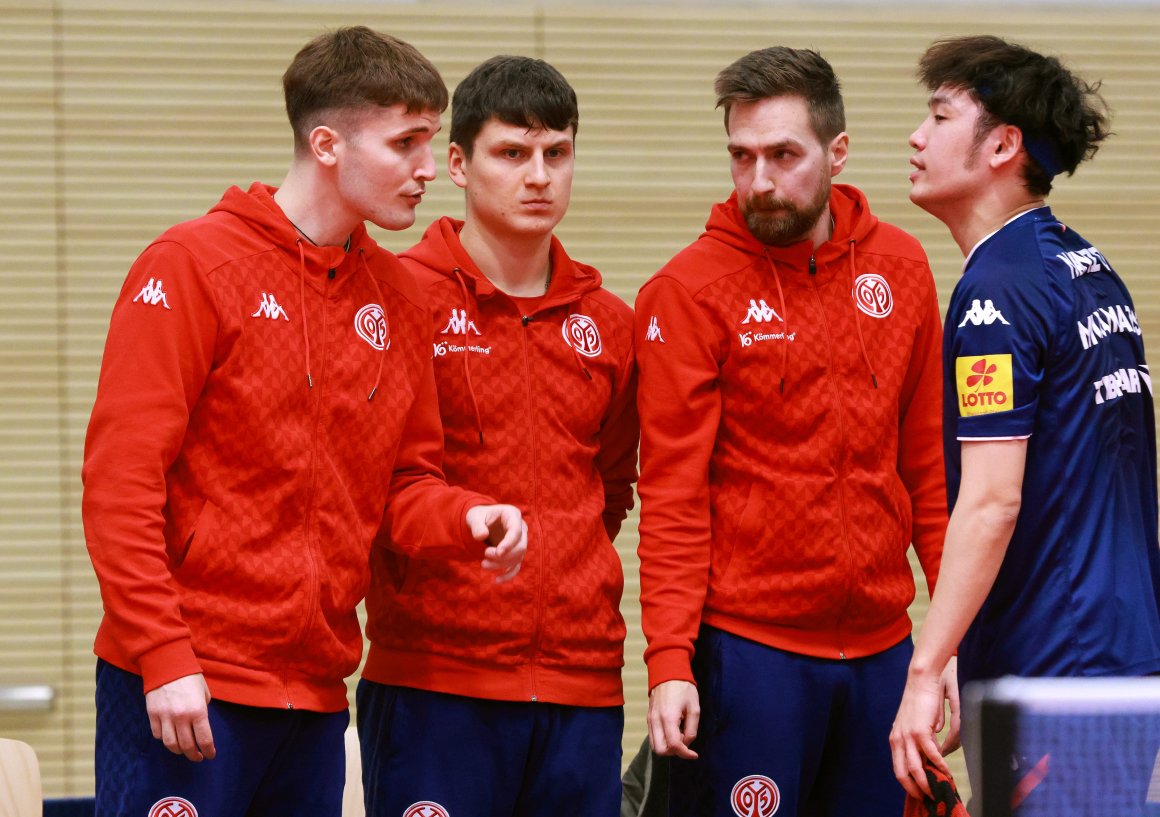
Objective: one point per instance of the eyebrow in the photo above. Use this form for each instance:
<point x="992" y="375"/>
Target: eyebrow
<point x="784" y="143"/>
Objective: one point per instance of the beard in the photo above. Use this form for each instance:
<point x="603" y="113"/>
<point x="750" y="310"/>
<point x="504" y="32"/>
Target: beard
<point x="780" y="222"/>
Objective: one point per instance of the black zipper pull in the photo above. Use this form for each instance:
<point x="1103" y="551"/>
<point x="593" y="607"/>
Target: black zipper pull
<point x="813" y="266"/>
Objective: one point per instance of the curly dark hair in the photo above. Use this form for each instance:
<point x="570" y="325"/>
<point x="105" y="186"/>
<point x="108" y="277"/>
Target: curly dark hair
<point x="1062" y="117"/>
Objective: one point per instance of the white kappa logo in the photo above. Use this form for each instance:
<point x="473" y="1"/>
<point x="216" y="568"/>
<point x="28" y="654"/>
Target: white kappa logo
<point x="653" y="332"/>
<point x="459" y="324"/>
<point x="152" y="294"/>
<point x="581" y="334"/>
<point x="425" y="808"/>
<point x="755" y="796"/>
<point x="873" y="295"/>
<point x="760" y="312"/>
<point x="985" y="314"/>
<point x="371" y="324"/>
<point x="270" y="308"/>
<point x="172" y="807"/>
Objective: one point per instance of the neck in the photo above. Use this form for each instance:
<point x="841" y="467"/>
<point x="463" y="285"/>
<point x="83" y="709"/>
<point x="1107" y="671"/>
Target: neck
<point x="977" y="224"/>
<point x="313" y="208"/>
<point x="521" y="268"/>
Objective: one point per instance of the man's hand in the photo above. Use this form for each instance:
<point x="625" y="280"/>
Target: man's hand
<point x="674" y="712"/>
<point x="504" y="529"/>
<point x="179" y="717"/>
<point x="920" y="717"/>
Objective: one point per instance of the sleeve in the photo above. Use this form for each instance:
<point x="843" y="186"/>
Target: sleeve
<point x="425" y="517"/>
<point x="619" y="440"/>
<point x="680" y="410"/>
<point x="920" y="446"/>
<point x="999" y="327"/>
<point x="158" y="354"/>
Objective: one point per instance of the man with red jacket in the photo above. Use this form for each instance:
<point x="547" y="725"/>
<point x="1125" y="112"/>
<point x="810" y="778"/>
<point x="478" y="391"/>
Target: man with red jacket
<point x="790" y="392"/>
<point x="266" y="392"/>
<point x="503" y="701"/>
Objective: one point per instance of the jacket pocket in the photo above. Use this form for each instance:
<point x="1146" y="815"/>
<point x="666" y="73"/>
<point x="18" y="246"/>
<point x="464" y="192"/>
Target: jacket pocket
<point x="195" y="540"/>
<point x="749" y="529"/>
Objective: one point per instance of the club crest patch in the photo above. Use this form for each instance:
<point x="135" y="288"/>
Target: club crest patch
<point x="371" y="324"/>
<point x="425" y="808"/>
<point x="172" y="807"/>
<point x="581" y="334"/>
<point x="755" y="796"/>
<point x="873" y="295"/>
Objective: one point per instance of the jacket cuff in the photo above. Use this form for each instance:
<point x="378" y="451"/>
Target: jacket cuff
<point x="470" y="544"/>
<point x="669" y="665"/>
<point x="167" y="663"/>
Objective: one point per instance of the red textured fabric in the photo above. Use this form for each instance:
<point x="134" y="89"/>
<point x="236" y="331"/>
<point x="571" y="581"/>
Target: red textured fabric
<point x="791" y="446"/>
<point x="229" y="509"/>
<point x="945" y="801"/>
<point x="560" y="434"/>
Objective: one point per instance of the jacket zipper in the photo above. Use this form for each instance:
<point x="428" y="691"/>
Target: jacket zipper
<point x="813" y="268"/>
<point x="534" y="645"/>
<point x="312" y="602"/>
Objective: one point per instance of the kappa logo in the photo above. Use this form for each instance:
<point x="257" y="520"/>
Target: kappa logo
<point x="581" y="334"/>
<point x="425" y="808"/>
<point x="873" y="295"/>
<point x="371" y="324"/>
<point x="760" y="312"/>
<point x="172" y="807"/>
<point x="983" y="315"/>
<point x="152" y="294"/>
<point x="984" y="384"/>
<point x="755" y="796"/>
<point x="459" y="324"/>
<point x="653" y="332"/>
<point x="270" y="308"/>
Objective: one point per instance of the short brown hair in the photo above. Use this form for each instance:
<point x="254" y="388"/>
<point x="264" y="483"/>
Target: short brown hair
<point x="1062" y="117"/>
<point x="782" y="71"/>
<point x="355" y="67"/>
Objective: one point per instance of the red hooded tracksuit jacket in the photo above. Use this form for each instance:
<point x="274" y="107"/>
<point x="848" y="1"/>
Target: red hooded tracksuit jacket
<point x="538" y="408"/>
<point x="229" y="505"/>
<point x="790" y="406"/>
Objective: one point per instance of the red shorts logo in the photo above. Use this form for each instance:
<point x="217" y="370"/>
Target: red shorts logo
<point x="755" y="796"/>
<point x="173" y="807"/>
<point x="425" y="808"/>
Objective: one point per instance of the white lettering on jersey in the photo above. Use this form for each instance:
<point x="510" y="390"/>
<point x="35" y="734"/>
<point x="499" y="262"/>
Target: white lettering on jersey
<point x="985" y="314"/>
<point x="760" y="312"/>
<point x="654" y="331"/>
<point x="1121" y="382"/>
<point x="1105" y="321"/>
<point x="1082" y="262"/>
<point x="270" y="308"/>
<point x="459" y="324"/>
<point x="152" y="294"/>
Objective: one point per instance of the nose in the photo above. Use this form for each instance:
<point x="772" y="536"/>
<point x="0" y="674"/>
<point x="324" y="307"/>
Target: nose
<point x="537" y="175"/>
<point x="918" y="138"/>
<point x="426" y="169"/>
<point x="762" y="177"/>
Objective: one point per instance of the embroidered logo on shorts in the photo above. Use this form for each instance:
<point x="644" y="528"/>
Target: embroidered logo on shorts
<point x="371" y="324"/>
<point x="173" y="807"/>
<point x="755" y="796"/>
<point x="581" y="334"/>
<point x="984" y="384"/>
<point x="425" y="808"/>
<point x="873" y="296"/>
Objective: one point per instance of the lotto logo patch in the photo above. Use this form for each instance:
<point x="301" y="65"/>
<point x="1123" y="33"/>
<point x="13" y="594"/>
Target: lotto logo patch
<point x="984" y="384"/>
<point x="755" y="796"/>
<point x="173" y="807"/>
<point x="425" y="808"/>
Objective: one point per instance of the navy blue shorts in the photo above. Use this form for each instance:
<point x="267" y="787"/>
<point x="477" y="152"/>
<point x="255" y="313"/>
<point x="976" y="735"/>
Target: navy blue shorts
<point x="275" y="762"/>
<point x="429" y="754"/>
<point x="791" y="734"/>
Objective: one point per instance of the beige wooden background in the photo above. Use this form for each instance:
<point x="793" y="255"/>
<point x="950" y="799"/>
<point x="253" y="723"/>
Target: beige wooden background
<point x="120" y="118"/>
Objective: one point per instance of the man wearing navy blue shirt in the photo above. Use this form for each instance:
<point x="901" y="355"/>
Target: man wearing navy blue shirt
<point x="1051" y="564"/>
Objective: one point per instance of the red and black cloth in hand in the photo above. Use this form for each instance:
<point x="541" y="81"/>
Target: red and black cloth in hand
<point x="944" y="800"/>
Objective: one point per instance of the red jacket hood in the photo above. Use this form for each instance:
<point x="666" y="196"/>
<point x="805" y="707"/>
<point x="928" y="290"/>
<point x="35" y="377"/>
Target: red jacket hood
<point x="440" y="251"/>
<point x="257" y="208"/>
<point x="853" y="221"/>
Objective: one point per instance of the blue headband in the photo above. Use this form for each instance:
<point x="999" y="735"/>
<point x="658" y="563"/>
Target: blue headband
<point x="1041" y="149"/>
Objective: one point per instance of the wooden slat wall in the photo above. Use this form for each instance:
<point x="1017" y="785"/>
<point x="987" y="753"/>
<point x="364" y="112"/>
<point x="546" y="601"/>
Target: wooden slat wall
<point x="120" y="118"/>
